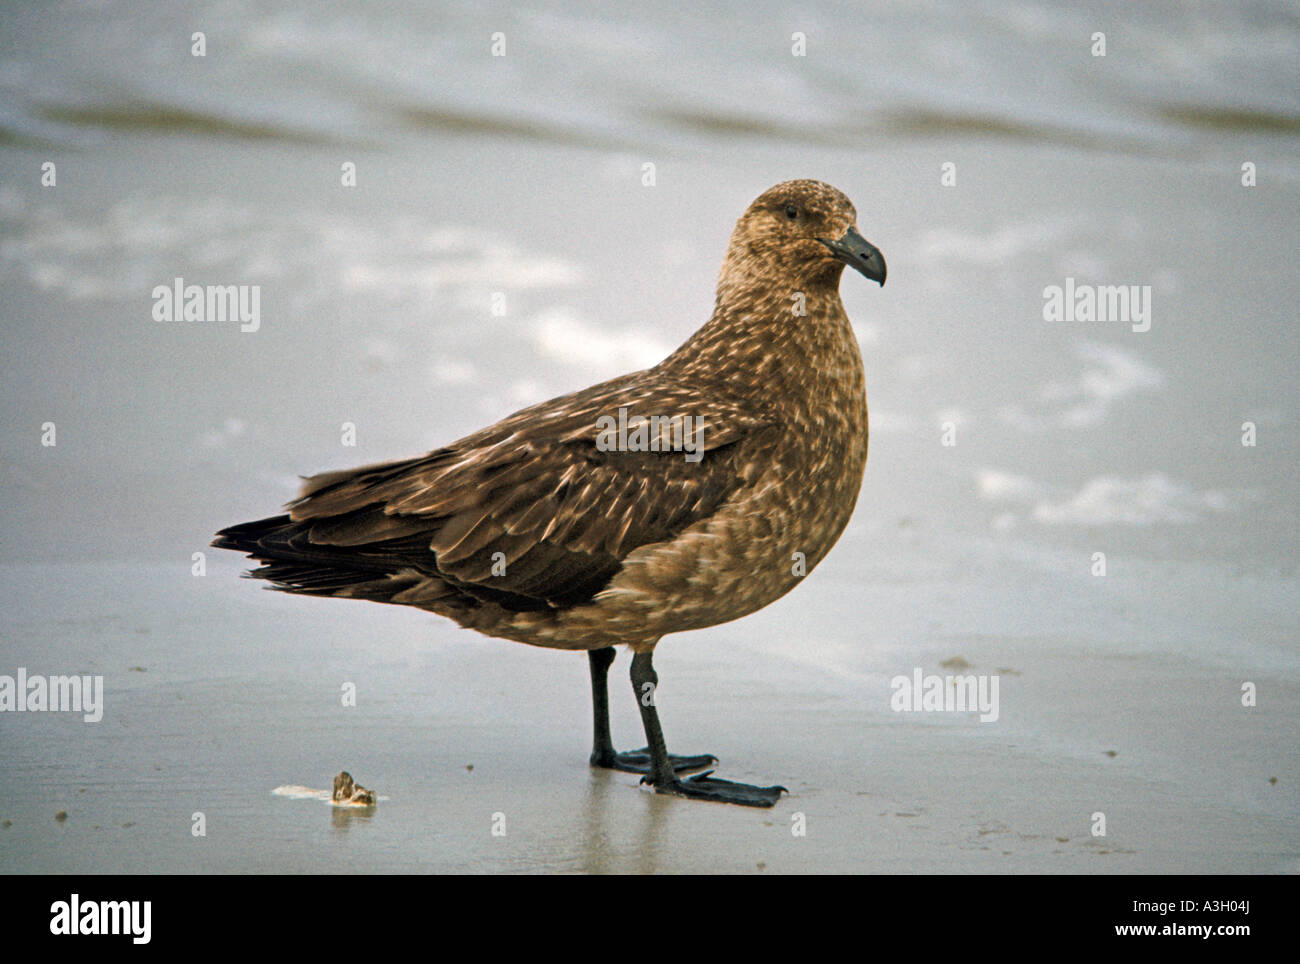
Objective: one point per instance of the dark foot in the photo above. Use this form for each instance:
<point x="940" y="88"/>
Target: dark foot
<point x="638" y="761"/>
<point x="704" y="787"/>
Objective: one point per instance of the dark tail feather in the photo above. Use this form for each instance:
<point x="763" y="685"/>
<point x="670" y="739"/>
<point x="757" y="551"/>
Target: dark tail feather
<point x="292" y="563"/>
<point x="255" y="538"/>
<point x="343" y="583"/>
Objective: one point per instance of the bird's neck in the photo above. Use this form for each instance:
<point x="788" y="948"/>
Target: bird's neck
<point x="773" y="336"/>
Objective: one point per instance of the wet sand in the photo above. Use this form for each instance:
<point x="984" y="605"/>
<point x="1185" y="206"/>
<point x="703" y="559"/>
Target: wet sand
<point x="457" y="731"/>
<point x="1119" y="694"/>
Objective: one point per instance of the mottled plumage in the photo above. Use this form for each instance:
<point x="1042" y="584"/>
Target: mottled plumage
<point x="530" y="531"/>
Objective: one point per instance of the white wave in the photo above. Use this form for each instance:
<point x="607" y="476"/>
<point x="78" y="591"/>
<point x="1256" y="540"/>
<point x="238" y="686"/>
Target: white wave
<point x="1104" y="500"/>
<point x="295" y="792"/>
<point x="884" y="421"/>
<point x="1110" y="376"/>
<point x="125" y="249"/>
<point x="1004" y="486"/>
<point x="1150" y="499"/>
<point x="564" y="336"/>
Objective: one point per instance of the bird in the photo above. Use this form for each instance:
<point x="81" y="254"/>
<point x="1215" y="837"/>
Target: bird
<point x="682" y="496"/>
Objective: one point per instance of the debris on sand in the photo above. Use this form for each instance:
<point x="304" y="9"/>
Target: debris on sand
<point x="348" y="792"/>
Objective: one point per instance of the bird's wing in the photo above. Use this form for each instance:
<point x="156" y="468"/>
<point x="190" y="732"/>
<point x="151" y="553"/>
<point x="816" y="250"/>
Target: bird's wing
<point x="536" y="510"/>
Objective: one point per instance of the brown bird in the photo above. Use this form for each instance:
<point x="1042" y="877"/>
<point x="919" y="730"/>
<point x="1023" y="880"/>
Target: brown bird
<point x="683" y="496"/>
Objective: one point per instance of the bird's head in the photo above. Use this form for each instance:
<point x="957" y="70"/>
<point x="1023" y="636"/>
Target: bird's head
<point x="801" y="231"/>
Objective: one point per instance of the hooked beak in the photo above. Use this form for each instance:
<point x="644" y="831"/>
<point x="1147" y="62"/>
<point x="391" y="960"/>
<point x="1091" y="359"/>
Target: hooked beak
<point x="857" y="252"/>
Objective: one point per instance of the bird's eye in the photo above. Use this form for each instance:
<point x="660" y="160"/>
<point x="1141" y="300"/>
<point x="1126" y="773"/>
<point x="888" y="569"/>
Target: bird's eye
<point x="791" y="211"/>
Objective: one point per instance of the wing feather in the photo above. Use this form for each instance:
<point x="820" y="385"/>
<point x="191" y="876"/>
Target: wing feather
<point x="535" y="491"/>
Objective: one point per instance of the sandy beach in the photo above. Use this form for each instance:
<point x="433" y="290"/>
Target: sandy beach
<point x="1157" y="686"/>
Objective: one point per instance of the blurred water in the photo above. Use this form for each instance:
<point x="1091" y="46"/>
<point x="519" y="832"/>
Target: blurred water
<point x="1177" y="77"/>
<point x="523" y="175"/>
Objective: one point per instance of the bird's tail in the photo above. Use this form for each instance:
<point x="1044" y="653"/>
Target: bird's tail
<point x="292" y="563"/>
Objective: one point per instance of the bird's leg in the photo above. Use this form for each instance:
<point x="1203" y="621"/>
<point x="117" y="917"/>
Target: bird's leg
<point x="602" y="747"/>
<point x="603" y="753"/>
<point x="662" y="776"/>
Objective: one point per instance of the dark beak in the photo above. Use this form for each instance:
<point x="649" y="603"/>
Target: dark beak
<point x="857" y="252"/>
